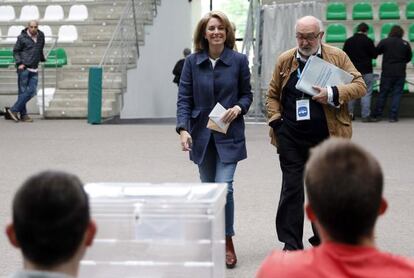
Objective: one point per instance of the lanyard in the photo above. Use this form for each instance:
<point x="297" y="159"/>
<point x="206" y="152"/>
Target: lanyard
<point x="299" y="73"/>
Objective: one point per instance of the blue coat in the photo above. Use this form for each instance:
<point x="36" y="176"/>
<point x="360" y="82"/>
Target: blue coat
<point x="201" y="87"/>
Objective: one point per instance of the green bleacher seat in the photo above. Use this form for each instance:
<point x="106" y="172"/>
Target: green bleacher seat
<point x="406" y="90"/>
<point x="57" y="58"/>
<point x="409" y="10"/>
<point x="336" y="33"/>
<point x="336" y="11"/>
<point x="389" y="10"/>
<point x="371" y="33"/>
<point x="362" y="10"/>
<point x="411" y="33"/>
<point x="386" y="28"/>
<point x="6" y="57"/>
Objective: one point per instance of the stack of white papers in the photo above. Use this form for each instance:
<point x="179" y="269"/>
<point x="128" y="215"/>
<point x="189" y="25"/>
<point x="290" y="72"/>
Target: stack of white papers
<point x="321" y="73"/>
<point x="215" y="122"/>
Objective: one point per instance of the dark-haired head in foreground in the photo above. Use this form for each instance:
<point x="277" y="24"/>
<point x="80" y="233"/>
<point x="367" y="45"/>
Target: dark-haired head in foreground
<point x="344" y="185"/>
<point x="51" y="222"/>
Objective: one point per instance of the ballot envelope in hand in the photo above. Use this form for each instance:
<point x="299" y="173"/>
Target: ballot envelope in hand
<point x="215" y="122"/>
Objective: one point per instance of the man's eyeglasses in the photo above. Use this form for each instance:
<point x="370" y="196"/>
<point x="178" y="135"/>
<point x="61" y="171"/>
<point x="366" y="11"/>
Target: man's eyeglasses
<point x="308" y="37"/>
<point x="33" y="27"/>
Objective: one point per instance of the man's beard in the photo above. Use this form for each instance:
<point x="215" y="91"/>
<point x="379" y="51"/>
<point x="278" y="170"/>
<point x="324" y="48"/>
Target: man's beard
<point x="308" y="51"/>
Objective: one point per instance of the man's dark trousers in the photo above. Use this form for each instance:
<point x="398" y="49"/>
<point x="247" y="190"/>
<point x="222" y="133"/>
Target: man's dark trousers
<point x="395" y="86"/>
<point x="293" y="154"/>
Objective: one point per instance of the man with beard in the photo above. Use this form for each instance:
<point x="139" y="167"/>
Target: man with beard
<point x="294" y="133"/>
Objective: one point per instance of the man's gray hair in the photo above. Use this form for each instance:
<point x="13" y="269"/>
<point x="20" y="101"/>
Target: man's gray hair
<point x="320" y="23"/>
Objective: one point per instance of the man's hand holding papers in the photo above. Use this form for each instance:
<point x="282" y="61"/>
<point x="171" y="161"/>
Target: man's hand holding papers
<point x="322" y="96"/>
<point x="319" y="73"/>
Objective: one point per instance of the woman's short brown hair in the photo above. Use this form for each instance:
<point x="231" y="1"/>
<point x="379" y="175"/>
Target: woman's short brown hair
<point x="200" y="43"/>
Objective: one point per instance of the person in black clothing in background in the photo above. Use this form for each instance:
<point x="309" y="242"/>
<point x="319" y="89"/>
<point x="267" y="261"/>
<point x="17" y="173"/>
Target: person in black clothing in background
<point x="361" y="50"/>
<point x="179" y="66"/>
<point x="28" y="52"/>
<point x="396" y="54"/>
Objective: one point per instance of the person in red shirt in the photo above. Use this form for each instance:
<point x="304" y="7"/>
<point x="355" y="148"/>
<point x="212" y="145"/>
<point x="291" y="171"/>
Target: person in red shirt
<point x="344" y="185"/>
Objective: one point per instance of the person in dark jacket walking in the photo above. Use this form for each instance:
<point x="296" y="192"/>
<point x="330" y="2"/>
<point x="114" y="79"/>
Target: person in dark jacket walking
<point x="361" y="50"/>
<point x="215" y="74"/>
<point x="293" y="132"/>
<point x="396" y="54"/>
<point x="178" y="68"/>
<point x="28" y="52"/>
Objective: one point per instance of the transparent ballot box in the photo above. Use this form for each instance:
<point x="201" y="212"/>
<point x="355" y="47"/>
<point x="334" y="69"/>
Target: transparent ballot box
<point x="156" y="230"/>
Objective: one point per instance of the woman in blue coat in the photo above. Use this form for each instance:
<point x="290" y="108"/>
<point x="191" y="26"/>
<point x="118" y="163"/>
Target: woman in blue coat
<point x="215" y="74"/>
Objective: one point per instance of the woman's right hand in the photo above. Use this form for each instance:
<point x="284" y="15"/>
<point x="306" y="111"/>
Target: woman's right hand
<point x="186" y="140"/>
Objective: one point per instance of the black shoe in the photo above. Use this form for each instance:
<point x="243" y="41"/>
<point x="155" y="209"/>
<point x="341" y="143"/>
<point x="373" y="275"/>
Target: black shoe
<point x="6" y="115"/>
<point x="26" y="118"/>
<point x="368" y="120"/>
<point x="376" y="119"/>
<point x="12" y="115"/>
<point x="393" y="120"/>
<point x="288" y="247"/>
<point x="314" y="241"/>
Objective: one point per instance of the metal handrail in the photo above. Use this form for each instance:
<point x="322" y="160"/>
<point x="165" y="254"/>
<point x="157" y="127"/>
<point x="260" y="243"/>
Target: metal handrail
<point x="155" y="4"/>
<point x="135" y="27"/>
<point x="118" y="29"/>
<point x="122" y="50"/>
<point x="130" y="9"/>
<point x="123" y="46"/>
<point x="54" y="44"/>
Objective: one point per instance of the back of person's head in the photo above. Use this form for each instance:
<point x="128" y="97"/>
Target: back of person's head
<point x="344" y="185"/>
<point x="363" y="27"/>
<point x="201" y="43"/>
<point x="50" y="218"/>
<point x="186" y="52"/>
<point x="396" y="31"/>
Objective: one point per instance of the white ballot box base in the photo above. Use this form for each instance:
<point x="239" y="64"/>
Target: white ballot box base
<point x="156" y="230"/>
